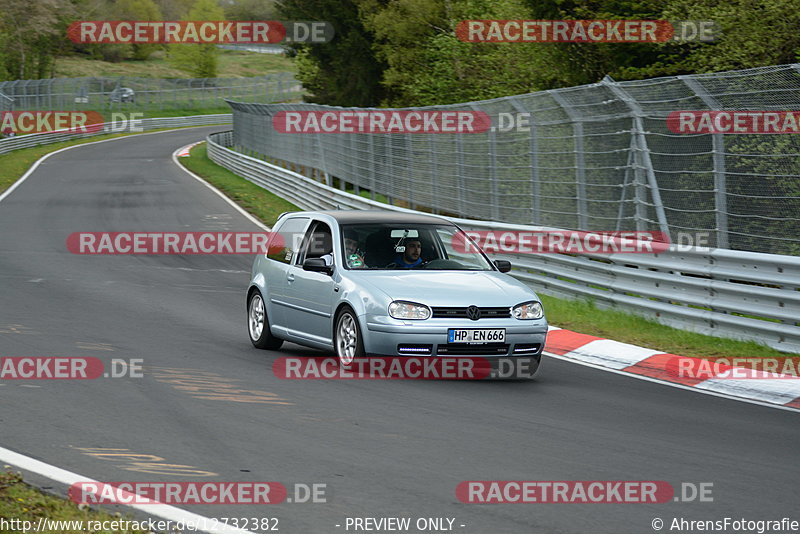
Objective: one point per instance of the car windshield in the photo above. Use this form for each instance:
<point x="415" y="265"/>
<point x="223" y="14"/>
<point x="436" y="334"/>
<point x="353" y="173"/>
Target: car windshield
<point x="389" y="246"/>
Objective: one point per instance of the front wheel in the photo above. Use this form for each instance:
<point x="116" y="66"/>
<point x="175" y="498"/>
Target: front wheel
<point x="258" y="324"/>
<point x="347" y="338"/>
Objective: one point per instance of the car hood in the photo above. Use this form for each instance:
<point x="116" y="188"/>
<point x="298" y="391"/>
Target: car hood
<point x="448" y="288"/>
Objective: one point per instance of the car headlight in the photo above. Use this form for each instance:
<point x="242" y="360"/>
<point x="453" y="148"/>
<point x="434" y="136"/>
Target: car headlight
<point x="528" y="310"/>
<point x="401" y="309"/>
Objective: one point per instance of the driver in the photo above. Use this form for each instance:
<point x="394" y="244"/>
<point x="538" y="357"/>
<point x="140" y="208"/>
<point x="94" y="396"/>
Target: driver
<point x="411" y="257"/>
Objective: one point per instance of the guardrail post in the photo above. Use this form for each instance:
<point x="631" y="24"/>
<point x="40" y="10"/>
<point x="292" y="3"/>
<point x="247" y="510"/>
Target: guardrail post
<point x="718" y="149"/>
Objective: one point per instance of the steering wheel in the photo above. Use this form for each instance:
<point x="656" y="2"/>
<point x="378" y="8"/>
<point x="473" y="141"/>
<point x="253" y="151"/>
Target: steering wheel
<point x="395" y="265"/>
<point x="441" y="263"/>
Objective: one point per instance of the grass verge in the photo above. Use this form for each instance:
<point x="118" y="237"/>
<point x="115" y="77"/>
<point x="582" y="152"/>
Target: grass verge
<point x="22" y="503"/>
<point x="584" y="317"/>
<point x="262" y="204"/>
<point x="14" y="164"/>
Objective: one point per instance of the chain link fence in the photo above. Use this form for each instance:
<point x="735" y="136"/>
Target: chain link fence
<point x="597" y="157"/>
<point x="144" y="94"/>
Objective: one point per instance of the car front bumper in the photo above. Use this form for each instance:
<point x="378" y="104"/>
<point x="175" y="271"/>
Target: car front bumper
<point x="386" y="336"/>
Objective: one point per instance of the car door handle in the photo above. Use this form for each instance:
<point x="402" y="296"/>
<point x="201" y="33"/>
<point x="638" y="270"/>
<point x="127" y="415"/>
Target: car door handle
<point x="290" y="277"/>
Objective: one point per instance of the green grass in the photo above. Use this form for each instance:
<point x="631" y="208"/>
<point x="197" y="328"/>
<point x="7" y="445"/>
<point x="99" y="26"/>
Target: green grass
<point x="584" y="317"/>
<point x="262" y="204"/>
<point x="231" y="64"/>
<point x="14" y="164"/>
<point x="25" y="503"/>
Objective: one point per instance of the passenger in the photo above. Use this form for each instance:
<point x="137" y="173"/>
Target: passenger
<point x="353" y="256"/>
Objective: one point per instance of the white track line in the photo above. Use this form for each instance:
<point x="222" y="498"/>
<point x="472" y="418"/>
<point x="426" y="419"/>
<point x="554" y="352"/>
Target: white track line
<point x="163" y="511"/>
<point x="670" y="384"/>
<point x="40" y="160"/>
<point x="215" y="190"/>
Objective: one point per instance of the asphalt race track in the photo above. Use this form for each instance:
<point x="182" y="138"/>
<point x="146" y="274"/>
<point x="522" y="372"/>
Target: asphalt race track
<point x="393" y="448"/>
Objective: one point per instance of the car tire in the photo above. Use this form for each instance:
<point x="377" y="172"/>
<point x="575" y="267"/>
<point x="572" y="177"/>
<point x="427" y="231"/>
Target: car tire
<point x="258" y="324"/>
<point x="347" y="340"/>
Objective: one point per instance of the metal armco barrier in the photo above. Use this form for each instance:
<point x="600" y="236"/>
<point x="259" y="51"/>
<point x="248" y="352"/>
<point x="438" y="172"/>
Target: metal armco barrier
<point x="26" y="141"/>
<point x="743" y="295"/>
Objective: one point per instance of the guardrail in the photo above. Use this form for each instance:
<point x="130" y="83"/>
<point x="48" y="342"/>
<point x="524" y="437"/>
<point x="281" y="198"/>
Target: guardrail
<point x="742" y="295"/>
<point x="27" y="141"/>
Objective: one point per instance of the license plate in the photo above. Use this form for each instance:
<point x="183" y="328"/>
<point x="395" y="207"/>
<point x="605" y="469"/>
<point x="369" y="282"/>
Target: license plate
<point x="476" y="335"/>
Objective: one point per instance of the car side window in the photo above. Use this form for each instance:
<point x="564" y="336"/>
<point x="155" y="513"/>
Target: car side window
<point x="317" y="243"/>
<point x="284" y="244"/>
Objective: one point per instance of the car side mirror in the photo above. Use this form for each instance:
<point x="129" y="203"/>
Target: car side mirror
<point x="502" y="265"/>
<point x="317" y="265"/>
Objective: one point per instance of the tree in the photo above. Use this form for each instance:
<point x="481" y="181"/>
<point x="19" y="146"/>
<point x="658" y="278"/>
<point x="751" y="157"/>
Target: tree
<point x="30" y="32"/>
<point x="198" y="59"/>
<point x="138" y="10"/>
<point x="344" y="71"/>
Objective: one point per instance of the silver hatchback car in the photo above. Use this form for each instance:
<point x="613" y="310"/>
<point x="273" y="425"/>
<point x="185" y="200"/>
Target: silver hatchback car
<point x="375" y="283"/>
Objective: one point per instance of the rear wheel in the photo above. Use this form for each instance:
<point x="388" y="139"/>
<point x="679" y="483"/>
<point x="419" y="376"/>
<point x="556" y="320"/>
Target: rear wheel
<point x="258" y="324"/>
<point x="347" y="338"/>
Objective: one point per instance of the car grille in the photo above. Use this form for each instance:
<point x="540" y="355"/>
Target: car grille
<point x="447" y="349"/>
<point x="441" y="312"/>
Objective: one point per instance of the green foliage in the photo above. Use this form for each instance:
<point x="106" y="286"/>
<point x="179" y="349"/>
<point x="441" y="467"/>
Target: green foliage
<point x="251" y="10"/>
<point x="138" y="10"/>
<point x="30" y="34"/>
<point x="198" y="59"/>
<point x="345" y="71"/>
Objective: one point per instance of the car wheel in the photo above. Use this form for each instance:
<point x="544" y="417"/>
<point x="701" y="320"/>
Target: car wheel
<point x="258" y="324"/>
<point x="347" y="338"/>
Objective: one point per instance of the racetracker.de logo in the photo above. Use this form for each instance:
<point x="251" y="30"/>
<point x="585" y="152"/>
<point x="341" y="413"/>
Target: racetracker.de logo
<point x="560" y="242"/>
<point x="564" y="491"/>
<point x="734" y="122"/>
<point x="173" y="242"/>
<point x="177" y="492"/>
<point x="383" y="368"/>
<point x="67" y="368"/>
<point x="584" y="31"/>
<point x="720" y="368"/>
<point x="184" y="31"/>
<point x="381" y="122"/>
<point x="27" y="122"/>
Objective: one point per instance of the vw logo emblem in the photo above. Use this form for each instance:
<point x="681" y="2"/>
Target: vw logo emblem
<point x="474" y="313"/>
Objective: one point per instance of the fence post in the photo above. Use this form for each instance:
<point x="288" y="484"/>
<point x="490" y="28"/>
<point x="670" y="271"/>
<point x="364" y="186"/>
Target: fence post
<point x="536" y="184"/>
<point x="494" y="194"/>
<point x="372" y="180"/>
<point x="460" y="180"/>
<point x="718" y="149"/>
<point x="641" y="160"/>
<point x="434" y="175"/>
<point x="580" y="164"/>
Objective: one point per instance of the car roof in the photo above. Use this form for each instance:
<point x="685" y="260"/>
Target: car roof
<point x="375" y="216"/>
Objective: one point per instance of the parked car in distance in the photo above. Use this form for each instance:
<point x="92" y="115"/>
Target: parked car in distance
<point x="122" y="94"/>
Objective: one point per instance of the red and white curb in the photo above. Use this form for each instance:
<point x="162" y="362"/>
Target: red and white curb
<point x="184" y="152"/>
<point x="778" y="390"/>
